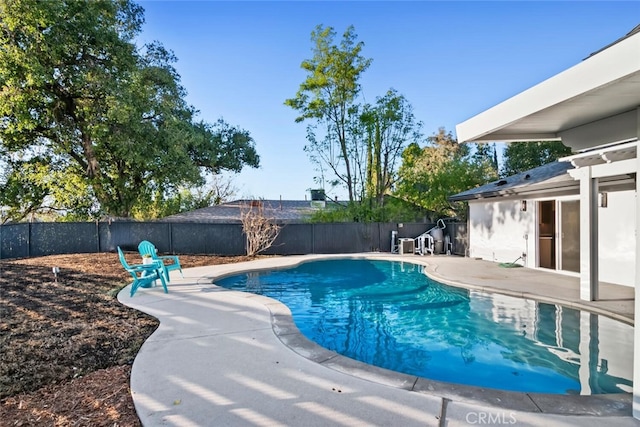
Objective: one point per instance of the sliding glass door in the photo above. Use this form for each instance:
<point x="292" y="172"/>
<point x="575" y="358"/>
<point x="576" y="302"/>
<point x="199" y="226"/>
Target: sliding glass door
<point x="570" y="235"/>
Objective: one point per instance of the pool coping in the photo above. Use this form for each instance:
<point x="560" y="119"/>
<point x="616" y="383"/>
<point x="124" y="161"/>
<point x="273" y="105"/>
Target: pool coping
<point x="283" y="326"/>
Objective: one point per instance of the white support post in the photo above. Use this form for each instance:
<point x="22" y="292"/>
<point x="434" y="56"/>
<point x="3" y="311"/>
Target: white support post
<point x="588" y="235"/>
<point x="636" y="338"/>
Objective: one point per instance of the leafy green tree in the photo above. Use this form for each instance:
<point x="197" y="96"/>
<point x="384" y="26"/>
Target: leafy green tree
<point x="87" y="105"/>
<point x="430" y="174"/>
<point x="522" y="156"/>
<point x="485" y="160"/>
<point x="393" y="210"/>
<point x="357" y="146"/>
<point x="327" y="96"/>
<point x="486" y="155"/>
<point x="22" y="193"/>
<point x="389" y="126"/>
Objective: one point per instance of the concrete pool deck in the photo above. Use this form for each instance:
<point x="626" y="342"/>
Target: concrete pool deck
<point x="222" y="357"/>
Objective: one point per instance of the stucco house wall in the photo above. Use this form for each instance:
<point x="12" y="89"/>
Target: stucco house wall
<point x="617" y="238"/>
<point x="497" y="231"/>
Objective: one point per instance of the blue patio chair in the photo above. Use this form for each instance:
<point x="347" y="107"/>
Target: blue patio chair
<point x="147" y="248"/>
<point x="144" y="275"/>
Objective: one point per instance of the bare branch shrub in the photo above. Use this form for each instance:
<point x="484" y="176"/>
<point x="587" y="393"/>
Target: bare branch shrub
<point x="260" y="230"/>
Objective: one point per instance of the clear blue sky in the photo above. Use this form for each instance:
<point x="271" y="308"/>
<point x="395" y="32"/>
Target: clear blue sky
<point x="451" y="60"/>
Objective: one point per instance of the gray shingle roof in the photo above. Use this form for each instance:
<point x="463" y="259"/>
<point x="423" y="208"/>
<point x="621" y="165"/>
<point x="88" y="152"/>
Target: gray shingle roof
<point x="280" y="210"/>
<point x="550" y="176"/>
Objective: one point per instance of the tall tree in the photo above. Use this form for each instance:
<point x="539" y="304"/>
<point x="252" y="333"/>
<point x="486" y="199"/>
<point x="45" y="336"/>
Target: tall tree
<point x="430" y="174"/>
<point x="389" y="126"/>
<point x="522" y="156"/>
<point x="327" y="97"/>
<point x="485" y="157"/>
<point x="82" y="101"/>
<point x="58" y="65"/>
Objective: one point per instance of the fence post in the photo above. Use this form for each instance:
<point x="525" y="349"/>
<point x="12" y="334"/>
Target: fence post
<point x="171" y="239"/>
<point x="98" y="235"/>
<point x="29" y="240"/>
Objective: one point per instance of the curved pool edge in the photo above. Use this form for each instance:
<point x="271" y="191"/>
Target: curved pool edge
<point x="283" y="326"/>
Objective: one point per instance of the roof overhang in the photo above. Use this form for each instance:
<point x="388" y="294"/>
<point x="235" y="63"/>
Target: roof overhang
<point x="603" y="88"/>
<point x="557" y="188"/>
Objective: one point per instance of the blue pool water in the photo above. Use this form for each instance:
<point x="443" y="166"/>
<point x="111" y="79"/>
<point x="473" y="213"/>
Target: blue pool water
<point x="390" y="314"/>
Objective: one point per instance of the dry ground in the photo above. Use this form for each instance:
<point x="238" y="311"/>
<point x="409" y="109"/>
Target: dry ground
<point x="67" y="345"/>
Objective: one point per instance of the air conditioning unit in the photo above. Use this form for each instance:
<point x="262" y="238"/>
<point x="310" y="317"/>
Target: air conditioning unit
<point x="407" y="246"/>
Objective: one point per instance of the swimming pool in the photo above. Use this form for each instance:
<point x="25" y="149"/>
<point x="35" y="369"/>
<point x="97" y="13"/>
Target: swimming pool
<point x="389" y="314"/>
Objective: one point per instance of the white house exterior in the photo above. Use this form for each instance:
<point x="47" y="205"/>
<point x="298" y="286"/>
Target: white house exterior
<point x="594" y="108"/>
<point x="535" y="222"/>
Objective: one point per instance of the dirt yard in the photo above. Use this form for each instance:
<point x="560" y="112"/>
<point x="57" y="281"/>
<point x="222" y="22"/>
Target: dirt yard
<point x="68" y="344"/>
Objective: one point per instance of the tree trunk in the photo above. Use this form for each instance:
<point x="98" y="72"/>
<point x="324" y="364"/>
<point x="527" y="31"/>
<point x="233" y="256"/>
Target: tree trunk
<point x="378" y="160"/>
<point x="347" y="163"/>
<point x="369" y="184"/>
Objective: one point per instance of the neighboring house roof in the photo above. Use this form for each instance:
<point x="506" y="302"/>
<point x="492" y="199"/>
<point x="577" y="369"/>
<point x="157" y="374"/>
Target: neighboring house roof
<point x="550" y="176"/>
<point x="279" y="210"/>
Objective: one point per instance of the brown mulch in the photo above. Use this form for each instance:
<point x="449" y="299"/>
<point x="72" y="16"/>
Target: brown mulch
<point x="67" y="344"/>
